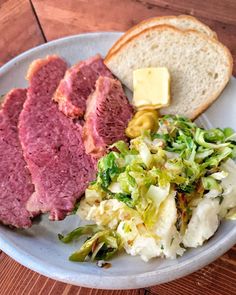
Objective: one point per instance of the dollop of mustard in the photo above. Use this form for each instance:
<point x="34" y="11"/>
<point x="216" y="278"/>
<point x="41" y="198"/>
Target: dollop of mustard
<point x="142" y="120"/>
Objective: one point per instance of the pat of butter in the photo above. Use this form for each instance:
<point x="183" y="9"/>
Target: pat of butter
<point x="151" y="87"/>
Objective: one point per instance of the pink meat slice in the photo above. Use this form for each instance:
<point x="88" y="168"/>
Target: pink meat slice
<point x="52" y="144"/>
<point x="78" y="83"/>
<point x="15" y="180"/>
<point x="107" y="116"/>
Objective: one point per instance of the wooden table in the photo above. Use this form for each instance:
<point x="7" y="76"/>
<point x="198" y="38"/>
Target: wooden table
<point x="25" y="24"/>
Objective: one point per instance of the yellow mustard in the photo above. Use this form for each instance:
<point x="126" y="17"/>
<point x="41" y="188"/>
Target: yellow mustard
<point x="142" y="120"/>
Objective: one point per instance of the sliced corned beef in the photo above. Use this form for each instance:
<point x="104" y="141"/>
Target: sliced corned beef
<point x="77" y="85"/>
<point x="52" y="144"/>
<point x="15" y="180"/>
<point x="107" y="115"/>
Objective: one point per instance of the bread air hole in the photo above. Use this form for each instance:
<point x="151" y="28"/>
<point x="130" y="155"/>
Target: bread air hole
<point x="210" y="74"/>
<point x="154" y="46"/>
<point x="216" y="76"/>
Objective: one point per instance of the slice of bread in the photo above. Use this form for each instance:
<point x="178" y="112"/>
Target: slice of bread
<point x="200" y="67"/>
<point x="182" y="22"/>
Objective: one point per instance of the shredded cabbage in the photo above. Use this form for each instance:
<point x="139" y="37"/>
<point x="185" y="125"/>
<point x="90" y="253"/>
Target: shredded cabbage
<point x="163" y="192"/>
<point x="229" y="187"/>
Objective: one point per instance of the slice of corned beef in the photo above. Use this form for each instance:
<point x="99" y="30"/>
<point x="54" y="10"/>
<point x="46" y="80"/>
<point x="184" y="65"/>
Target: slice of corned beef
<point x="78" y="83"/>
<point x="15" y="180"/>
<point x="52" y="144"/>
<point x="107" y="115"/>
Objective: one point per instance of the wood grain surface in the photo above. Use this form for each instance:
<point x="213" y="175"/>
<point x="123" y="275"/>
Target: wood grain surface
<point x="19" y="30"/>
<point x="62" y="18"/>
<point x="223" y="11"/>
<point x="25" y="24"/>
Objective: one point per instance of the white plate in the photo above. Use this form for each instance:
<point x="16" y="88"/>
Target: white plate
<point x="39" y="249"/>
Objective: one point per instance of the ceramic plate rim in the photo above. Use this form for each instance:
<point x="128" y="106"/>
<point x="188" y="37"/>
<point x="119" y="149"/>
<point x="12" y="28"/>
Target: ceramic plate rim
<point x="140" y="280"/>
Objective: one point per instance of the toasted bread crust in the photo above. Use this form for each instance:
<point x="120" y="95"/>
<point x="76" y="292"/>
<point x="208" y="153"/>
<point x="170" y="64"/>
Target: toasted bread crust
<point x="130" y="33"/>
<point x="211" y="99"/>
